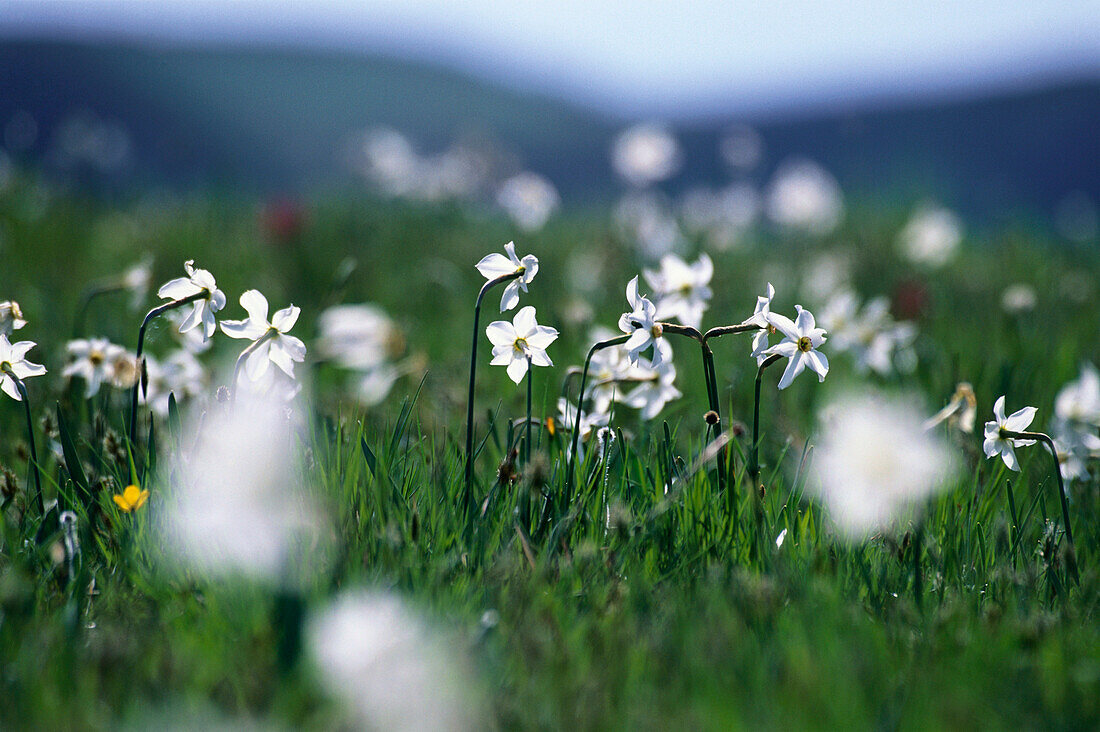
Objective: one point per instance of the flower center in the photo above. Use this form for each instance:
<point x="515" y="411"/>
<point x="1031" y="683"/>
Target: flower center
<point x="96" y="358"/>
<point x="656" y="331"/>
<point x="805" y="345"/>
<point x="520" y="345"/>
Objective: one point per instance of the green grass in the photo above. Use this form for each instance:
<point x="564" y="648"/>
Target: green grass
<point x="679" y="612"/>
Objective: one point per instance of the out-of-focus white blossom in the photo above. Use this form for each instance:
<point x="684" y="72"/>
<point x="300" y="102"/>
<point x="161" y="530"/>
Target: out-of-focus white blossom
<point x="180" y="374"/>
<point x="1019" y="298"/>
<point x="529" y="199"/>
<point x="1078" y="402"/>
<point x="741" y="147"/>
<point x="646" y="153"/>
<point x="389" y="667"/>
<point x="803" y="195"/>
<point x="657" y="387"/>
<point x="644" y="219"/>
<point x="932" y="236"/>
<point x="874" y="339"/>
<point x="681" y="291"/>
<point x="875" y="459"/>
<point x="93" y="360"/>
<point x="960" y="412"/>
<point x="589" y="424"/>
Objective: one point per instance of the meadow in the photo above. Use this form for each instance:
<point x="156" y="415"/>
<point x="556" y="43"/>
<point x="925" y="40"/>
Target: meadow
<point x="662" y="588"/>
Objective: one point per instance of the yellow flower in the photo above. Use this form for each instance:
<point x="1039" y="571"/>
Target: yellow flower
<point x="132" y="498"/>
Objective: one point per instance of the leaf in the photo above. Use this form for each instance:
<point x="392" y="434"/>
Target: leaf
<point x="403" y="420"/>
<point x="372" y="461"/>
<point x="174" y="417"/>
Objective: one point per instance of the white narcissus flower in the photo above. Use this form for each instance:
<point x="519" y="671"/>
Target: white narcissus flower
<point x="681" y="290"/>
<point x="180" y="374"/>
<point x="277" y="347"/>
<point x="94" y="361"/>
<point x="996" y="443"/>
<point x="13" y="356"/>
<point x="516" y="342"/>
<point x="640" y="324"/>
<point x="801" y="340"/>
<point x="197" y="281"/>
<point x="760" y="318"/>
<point x="11" y="317"/>
<point x="497" y="265"/>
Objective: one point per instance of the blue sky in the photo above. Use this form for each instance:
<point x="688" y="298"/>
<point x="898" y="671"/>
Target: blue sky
<point x="647" y="57"/>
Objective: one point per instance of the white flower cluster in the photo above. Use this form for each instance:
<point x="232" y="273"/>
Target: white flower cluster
<point x="875" y="341"/>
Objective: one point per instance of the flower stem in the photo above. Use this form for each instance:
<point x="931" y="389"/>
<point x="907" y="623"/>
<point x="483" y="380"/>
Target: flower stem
<point x="469" y="497"/>
<point x="30" y="437"/>
<point x="527" y="438"/>
<point x="754" y="460"/>
<point x="149" y="317"/>
<point x="86" y="298"/>
<point x="248" y="351"/>
<point x="617" y="341"/>
<point x="1044" y="438"/>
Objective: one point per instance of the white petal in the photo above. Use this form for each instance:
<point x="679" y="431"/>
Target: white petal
<point x="193" y="318"/>
<point x="525" y="322"/>
<point x="501" y="333"/>
<point x="805" y="322"/>
<point x="510" y="297"/>
<point x="293" y="347"/>
<point x="281" y="358"/>
<point x="632" y="292"/>
<point x="255" y="304"/>
<point x="539" y="357"/>
<point x="638" y="340"/>
<point x="256" y="364"/>
<point x="516" y="369"/>
<point x="785" y="348"/>
<point x="784" y="325"/>
<point x="510" y="247"/>
<point x="177" y="289"/>
<point x="1009" y="456"/>
<point x="495" y="265"/>
<point x="999" y="409"/>
<point x="990" y="447"/>
<point x="239" y="329"/>
<point x="502" y="356"/>
<point x="1021" y="419"/>
<point x="794" y="368"/>
<point x="284" y="319"/>
<point x="9" y="388"/>
<point x="818" y="363"/>
<point x="542" y="337"/>
<point x="530" y="268"/>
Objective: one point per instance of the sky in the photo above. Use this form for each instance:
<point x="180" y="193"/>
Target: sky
<point x="673" y="58"/>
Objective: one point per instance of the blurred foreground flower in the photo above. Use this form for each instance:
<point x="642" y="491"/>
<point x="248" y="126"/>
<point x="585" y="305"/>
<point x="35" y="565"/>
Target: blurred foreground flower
<point x="239" y="505"/>
<point x="875" y="460"/>
<point x="389" y="667"/>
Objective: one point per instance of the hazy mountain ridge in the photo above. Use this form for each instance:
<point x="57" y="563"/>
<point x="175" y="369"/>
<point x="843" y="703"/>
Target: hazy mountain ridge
<point x="277" y="119"/>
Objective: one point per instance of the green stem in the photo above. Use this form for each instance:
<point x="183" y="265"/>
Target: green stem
<point x="527" y="438"/>
<point x="30" y="437"/>
<point x="149" y="317"/>
<point x="754" y="461"/>
<point x="86" y="298"/>
<point x="715" y="406"/>
<point x="569" y="477"/>
<point x="1044" y="438"/>
<point x="469" y="497"/>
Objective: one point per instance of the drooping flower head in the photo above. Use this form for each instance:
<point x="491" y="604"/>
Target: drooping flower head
<point x="681" y="290"/>
<point x="497" y="265"/>
<point x="760" y="319"/>
<point x="11" y="317"/>
<point x="997" y="442"/>
<point x="202" y="312"/>
<point x="13" y="357"/>
<point x="657" y="388"/>
<point x="516" y="342"/>
<point x="801" y="339"/>
<point x="277" y="347"/>
<point x="640" y="324"/>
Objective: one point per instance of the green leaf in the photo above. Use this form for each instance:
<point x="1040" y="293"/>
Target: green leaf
<point x="368" y="454"/>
